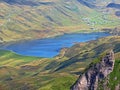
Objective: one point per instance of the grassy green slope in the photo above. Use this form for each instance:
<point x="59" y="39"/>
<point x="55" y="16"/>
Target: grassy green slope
<point x="115" y="75"/>
<point x="8" y="58"/>
<point x="44" y="20"/>
<point x="79" y="53"/>
<point x="21" y="72"/>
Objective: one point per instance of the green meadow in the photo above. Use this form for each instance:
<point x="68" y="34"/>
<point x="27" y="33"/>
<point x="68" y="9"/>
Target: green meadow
<point x="58" y="73"/>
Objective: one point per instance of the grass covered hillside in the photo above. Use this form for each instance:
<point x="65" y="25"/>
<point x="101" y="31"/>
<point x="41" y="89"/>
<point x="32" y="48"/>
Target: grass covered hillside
<point x="29" y="73"/>
<point x="30" y="19"/>
<point x="59" y="73"/>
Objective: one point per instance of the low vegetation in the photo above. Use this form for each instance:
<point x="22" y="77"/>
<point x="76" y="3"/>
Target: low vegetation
<point x="34" y="73"/>
<point x="40" y="19"/>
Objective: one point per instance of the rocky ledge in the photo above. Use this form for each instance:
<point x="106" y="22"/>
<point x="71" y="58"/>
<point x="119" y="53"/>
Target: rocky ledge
<point x="89" y="80"/>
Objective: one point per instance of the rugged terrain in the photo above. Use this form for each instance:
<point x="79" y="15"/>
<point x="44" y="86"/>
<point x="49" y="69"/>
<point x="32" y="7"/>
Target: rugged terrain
<point x="59" y="73"/>
<point x="31" y="19"/>
<point x="89" y="80"/>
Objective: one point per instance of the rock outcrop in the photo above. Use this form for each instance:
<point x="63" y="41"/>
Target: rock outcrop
<point x="89" y="80"/>
<point x="117" y="87"/>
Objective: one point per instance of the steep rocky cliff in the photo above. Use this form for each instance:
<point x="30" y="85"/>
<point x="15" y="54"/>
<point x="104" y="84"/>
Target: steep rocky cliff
<point x="89" y="80"/>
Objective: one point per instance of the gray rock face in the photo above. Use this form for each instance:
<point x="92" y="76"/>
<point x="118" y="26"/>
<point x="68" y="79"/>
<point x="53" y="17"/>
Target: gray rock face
<point x="89" y="80"/>
<point x="117" y="87"/>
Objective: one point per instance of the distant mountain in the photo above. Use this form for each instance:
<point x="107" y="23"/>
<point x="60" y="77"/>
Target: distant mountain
<point x="86" y="3"/>
<point x="117" y="13"/>
<point x="97" y="3"/>
<point x="31" y="19"/>
<point x="113" y="5"/>
<point x="26" y="2"/>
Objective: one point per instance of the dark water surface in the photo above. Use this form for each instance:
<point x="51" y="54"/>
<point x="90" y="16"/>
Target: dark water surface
<point x="50" y="47"/>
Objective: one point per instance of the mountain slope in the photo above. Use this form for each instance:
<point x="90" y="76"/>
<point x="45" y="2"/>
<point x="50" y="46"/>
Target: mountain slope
<point x="100" y="75"/>
<point x="113" y="5"/>
<point x="28" y="19"/>
<point x="89" y="80"/>
<point x="59" y="73"/>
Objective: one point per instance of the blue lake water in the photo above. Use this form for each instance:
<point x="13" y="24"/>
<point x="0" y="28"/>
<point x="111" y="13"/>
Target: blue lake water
<point x="50" y="47"/>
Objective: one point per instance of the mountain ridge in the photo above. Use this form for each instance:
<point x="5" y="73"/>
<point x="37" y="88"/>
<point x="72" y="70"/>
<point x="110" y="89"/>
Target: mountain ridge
<point x="89" y="80"/>
<point x="19" y="21"/>
<point x="20" y="72"/>
<point x="27" y="2"/>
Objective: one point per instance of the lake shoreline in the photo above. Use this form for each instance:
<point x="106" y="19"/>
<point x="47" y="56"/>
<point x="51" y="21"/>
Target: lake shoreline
<point x="50" y="47"/>
<point x="28" y="39"/>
